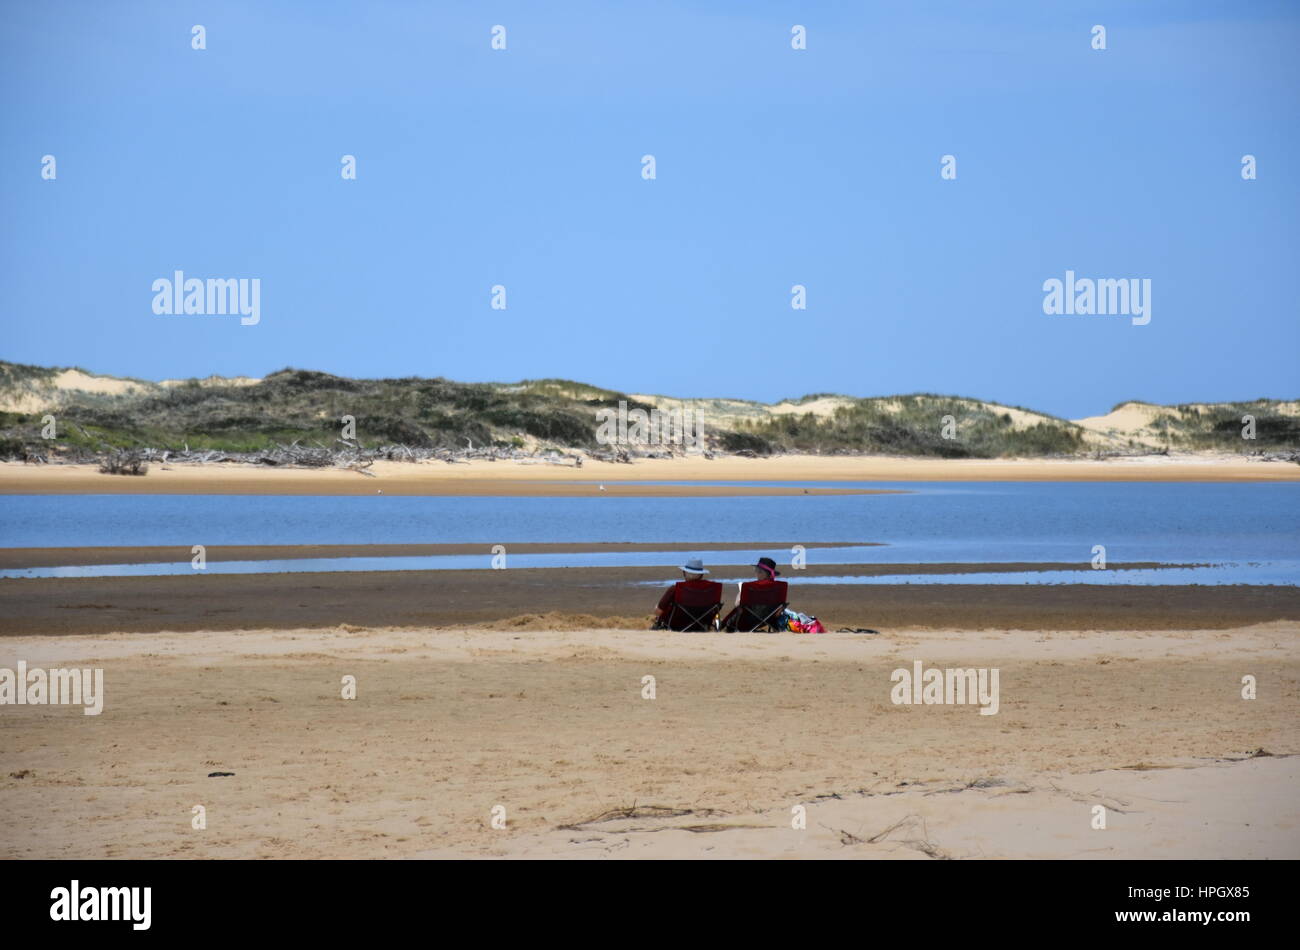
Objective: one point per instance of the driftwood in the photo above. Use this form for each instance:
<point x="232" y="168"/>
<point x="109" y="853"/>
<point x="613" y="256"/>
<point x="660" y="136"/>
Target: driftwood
<point x="124" y="463"/>
<point x="344" y="454"/>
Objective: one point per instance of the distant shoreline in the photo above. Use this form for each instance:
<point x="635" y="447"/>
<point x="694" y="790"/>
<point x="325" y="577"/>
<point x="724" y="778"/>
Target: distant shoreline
<point x="505" y="478"/>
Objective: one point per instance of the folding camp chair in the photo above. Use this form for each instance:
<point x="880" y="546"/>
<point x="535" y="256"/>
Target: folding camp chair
<point x="694" y="609"/>
<point x="762" y="604"/>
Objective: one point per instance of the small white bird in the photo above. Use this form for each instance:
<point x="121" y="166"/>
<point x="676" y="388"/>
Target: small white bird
<point x="602" y="487"/>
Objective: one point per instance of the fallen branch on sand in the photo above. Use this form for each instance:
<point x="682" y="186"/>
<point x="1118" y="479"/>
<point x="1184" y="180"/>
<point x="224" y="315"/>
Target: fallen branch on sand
<point x="634" y="811"/>
<point x="343" y="455"/>
<point x="124" y="463"/>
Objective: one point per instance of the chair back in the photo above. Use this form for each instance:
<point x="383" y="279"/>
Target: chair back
<point x="761" y="603"/>
<point x="694" y="607"/>
<point x="763" y="593"/>
<point x="698" y="595"/>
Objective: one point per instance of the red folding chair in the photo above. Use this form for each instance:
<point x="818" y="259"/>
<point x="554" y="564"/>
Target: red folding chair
<point x="762" y="603"/>
<point x="695" y="608"/>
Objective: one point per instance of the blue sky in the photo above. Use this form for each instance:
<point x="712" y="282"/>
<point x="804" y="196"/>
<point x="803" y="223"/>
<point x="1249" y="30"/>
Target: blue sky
<point x="775" y="167"/>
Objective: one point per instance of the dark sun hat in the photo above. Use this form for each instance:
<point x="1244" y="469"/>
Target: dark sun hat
<point x="769" y="565"/>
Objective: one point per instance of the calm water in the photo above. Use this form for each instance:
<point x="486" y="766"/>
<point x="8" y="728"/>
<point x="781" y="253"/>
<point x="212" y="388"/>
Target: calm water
<point x="1250" y="532"/>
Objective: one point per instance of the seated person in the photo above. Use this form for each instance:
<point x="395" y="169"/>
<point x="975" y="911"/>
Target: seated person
<point x="691" y="603"/>
<point x="757" y="599"/>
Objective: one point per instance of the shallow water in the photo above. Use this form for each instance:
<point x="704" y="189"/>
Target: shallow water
<point x="1273" y="572"/>
<point x="1282" y="573"/>
<point x="1250" y="532"/>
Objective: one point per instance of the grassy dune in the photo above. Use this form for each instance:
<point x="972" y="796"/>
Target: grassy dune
<point x="99" y="414"/>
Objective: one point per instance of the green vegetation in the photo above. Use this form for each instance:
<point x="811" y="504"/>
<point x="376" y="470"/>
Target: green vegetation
<point x="308" y="407"/>
<point x="20" y="377"/>
<point x="1220" y="427"/>
<point x="438" y="415"/>
<point x="914" y="425"/>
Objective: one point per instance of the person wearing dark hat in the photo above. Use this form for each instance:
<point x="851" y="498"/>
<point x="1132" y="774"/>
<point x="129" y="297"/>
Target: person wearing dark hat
<point x="763" y="588"/>
<point x="692" y="590"/>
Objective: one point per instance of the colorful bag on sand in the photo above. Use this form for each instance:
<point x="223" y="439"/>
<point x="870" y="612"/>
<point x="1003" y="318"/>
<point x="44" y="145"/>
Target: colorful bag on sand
<point x="802" y="623"/>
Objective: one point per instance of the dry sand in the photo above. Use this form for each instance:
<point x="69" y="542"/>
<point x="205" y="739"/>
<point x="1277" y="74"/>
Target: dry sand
<point x="512" y="478"/>
<point x="552" y="726"/>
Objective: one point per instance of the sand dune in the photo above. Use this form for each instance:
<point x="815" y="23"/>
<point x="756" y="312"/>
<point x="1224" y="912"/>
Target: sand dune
<point x="1134" y="424"/>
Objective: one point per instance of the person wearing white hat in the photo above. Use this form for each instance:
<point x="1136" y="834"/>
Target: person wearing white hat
<point x="692" y="586"/>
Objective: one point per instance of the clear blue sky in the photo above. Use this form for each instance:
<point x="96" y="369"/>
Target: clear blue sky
<point x="775" y="167"/>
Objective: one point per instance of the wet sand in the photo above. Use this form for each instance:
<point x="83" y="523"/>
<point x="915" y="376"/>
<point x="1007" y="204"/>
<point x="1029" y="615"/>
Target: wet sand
<point x="601" y="596"/>
<point x="163" y="554"/>
<point x="553" y="727"/>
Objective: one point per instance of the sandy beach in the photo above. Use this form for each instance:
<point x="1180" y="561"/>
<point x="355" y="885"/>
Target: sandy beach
<point x="522" y="688"/>
<point x="513" y="478"/>
<point x="553" y="727"/>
